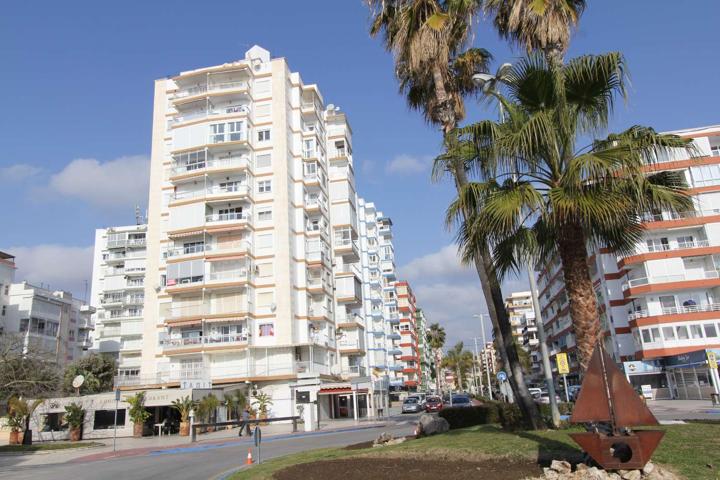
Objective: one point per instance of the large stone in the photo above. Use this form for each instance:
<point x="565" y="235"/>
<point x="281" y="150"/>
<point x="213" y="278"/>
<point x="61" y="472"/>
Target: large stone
<point x="383" y="438"/>
<point x="631" y="474"/>
<point x="550" y="474"/>
<point x="648" y="468"/>
<point x="431" y="425"/>
<point x="561" y="466"/>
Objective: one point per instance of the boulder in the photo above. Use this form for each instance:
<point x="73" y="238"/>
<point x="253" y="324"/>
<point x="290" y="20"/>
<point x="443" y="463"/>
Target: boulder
<point x="630" y="474"/>
<point x="561" y="466"/>
<point x="648" y="468"/>
<point x="382" y="439"/>
<point x="431" y="425"/>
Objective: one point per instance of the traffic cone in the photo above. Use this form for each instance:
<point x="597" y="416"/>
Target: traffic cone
<point x="249" y="460"/>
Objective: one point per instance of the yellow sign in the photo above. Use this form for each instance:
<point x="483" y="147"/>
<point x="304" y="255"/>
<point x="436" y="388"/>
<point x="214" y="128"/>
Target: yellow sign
<point x="712" y="360"/>
<point x="562" y="363"/>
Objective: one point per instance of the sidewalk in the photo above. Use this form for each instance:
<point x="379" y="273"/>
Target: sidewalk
<point x="684" y="409"/>
<point x="129" y="446"/>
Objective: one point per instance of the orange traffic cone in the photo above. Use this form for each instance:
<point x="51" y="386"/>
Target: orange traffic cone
<point x="249" y="460"/>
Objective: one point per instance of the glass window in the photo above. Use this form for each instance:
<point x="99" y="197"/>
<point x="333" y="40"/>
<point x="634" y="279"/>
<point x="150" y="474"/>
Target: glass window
<point x="105" y="419"/>
<point x="263" y="135"/>
<point x="710" y="330"/>
<point x="696" y="331"/>
<point x="266" y="330"/>
<point x="682" y="333"/>
<point x="668" y="333"/>
<point x="263" y="161"/>
<point x="265" y="186"/>
<point x="655" y="334"/>
<point x="265" y="214"/>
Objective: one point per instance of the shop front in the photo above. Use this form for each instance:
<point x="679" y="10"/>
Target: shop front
<point x="690" y="377"/>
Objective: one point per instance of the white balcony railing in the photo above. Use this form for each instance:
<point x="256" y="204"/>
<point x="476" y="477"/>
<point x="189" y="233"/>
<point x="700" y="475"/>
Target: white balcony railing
<point x="709" y="307"/>
<point x="667" y="216"/>
<point x="348" y="268"/>
<point x="354" y="371"/>
<point x="228" y="217"/>
<point x="189" y="116"/>
<point x="240" y="136"/>
<point x="238" y="246"/>
<point x="213" y="87"/>
<point x="212" y="164"/>
<point x="169" y="343"/>
<point x="671" y="246"/>
<point x="679" y="277"/>
<point x="240" y="189"/>
<point x="206" y="308"/>
<point x="242" y="274"/>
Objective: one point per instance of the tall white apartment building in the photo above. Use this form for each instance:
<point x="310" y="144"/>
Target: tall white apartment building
<point x="51" y="321"/>
<point x="522" y="319"/>
<point x="252" y="252"/>
<point x="118" y="293"/>
<point x="659" y="306"/>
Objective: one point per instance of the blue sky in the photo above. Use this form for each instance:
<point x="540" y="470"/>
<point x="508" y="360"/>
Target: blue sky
<point x="77" y="96"/>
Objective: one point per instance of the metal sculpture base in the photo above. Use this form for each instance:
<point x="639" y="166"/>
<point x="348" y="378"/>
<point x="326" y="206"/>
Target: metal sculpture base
<point x="613" y="452"/>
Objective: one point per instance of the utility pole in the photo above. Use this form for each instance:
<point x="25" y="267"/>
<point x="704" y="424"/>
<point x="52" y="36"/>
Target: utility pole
<point x="544" y="351"/>
<point x="480" y="367"/>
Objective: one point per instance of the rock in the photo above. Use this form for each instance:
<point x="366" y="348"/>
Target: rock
<point x="594" y="473"/>
<point x="561" y="466"/>
<point x="631" y="474"/>
<point x="581" y="466"/>
<point x="648" y="468"/>
<point x="396" y="441"/>
<point x="550" y="474"/>
<point x="614" y="476"/>
<point x="382" y="439"/>
<point x="430" y="425"/>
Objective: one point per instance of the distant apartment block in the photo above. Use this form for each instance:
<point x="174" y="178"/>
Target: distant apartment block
<point x="118" y="293"/>
<point x="522" y="319"/>
<point x="659" y="306"/>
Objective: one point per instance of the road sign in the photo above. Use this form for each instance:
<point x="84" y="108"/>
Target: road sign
<point x="712" y="360"/>
<point x="501" y="376"/>
<point x="562" y="363"/>
<point x="257" y="436"/>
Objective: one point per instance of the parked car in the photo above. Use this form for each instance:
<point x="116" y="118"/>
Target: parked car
<point x="573" y="392"/>
<point x="412" y="405"/>
<point x="535" y="391"/>
<point x="543" y="398"/>
<point x="459" y="401"/>
<point x="433" y="404"/>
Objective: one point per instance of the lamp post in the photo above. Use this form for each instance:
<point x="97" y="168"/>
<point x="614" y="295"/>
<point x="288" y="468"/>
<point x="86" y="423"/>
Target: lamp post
<point x="484" y="350"/>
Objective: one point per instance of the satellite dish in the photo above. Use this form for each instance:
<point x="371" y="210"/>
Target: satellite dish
<point x="335" y="369"/>
<point x="78" y="381"/>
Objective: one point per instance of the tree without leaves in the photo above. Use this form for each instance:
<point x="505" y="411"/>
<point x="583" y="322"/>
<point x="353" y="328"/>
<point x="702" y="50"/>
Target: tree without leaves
<point x="98" y="370"/>
<point x="541" y="193"/>
<point x="29" y="374"/>
<point x="434" y="66"/>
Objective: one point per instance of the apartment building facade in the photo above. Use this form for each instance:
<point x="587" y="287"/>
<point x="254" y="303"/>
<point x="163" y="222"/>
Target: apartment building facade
<point x="659" y="305"/>
<point x="259" y="269"/>
<point x="427" y="362"/>
<point x="522" y="318"/>
<point x="52" y="322"/>
<point x="118" y="294"/>
<point x="410" y="334"/>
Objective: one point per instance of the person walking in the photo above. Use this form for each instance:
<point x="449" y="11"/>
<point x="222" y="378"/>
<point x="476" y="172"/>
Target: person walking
<point x="245" y="423"/>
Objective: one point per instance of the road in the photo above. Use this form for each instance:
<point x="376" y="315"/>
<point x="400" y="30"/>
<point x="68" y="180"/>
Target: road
<point x="205" y="461"/>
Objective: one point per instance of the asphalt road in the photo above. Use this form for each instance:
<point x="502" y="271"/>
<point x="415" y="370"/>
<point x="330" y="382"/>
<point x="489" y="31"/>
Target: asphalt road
<point x="206" y="461"/>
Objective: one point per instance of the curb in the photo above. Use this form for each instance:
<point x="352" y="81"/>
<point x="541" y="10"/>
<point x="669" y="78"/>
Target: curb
<point x="47" y="452"/>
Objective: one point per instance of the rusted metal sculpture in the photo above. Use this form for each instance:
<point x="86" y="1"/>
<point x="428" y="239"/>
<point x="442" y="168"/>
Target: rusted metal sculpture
<point x="611" y="406"/>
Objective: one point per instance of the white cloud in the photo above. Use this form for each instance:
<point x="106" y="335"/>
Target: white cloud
<point x="450" y="293"/>
<point x="118" y="183"/>
<point x="57" y="266"/>
<point x="408" y="164"/>
<point x="18" y="172"/>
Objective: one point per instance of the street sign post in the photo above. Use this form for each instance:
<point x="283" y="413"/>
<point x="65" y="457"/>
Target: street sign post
<point x="117" y="399"/>
<point x="563" y="369"/>
<point x="501" y="376"/>
<point x="712" y="360"/>
<point x="257" y="437"/>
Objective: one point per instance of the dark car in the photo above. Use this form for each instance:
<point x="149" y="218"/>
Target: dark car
<point x="433" y="404"/>
<point x="412" y="405"/>
<point x="459" y="401"/>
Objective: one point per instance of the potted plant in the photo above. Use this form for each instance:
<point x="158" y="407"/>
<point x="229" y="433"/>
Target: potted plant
<point x="20" y="413"/>
<point x="184" y="406"/>
<point x="137" y="413"/>
<point x="262" y="402"/>
<point x="75" y="416"/>
<point x="15" y="422"/>
<point x="207" y="408"/>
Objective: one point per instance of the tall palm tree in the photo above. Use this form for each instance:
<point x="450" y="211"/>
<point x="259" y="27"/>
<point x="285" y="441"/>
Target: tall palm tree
<point x="542" y="193"/>
<point x="460" y="361"/>
<point x="543" y="25"/>
<point x="436" y="341"/>
<point x="435" y="66"/>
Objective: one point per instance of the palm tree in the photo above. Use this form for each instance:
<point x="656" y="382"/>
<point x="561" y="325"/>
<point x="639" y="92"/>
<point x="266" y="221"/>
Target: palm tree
<point x="537" y="25"/>
<point x="460" y="361"/>
<point x="436" y="341"/>
<point x="429" y="39"/>
<point x="541" y="193"/>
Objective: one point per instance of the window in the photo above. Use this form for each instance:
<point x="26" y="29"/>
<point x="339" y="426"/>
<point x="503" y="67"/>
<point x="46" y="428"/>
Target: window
<point x="682" y="333"/>
<point x="263" y="161"/>
<point x="696" y="331"/>
<point x="7" y="289"/>
<point x="54" y="422"/>
<point x="266" y="330"/>
<point x="265" y="186"/>
<point x="71" y="335"/>
<point x="685" y="241"/>
<point x="650" y="335"/>
<point x="265" y="299"/>
<point x="657" y="244"/>
<point x="190" y="160"/>
<point x="105" y="419"/>
<point x="264" y="241"/>
<point x="262" y="86"/>
<point x="668" y="333"/>
<point x="262" y="110"/>
<point x="710" y="330"/>
<point x="229" y="186"/>
<point x="264" y="269"/>
<point x="237" y="131"/>
<point x="265" y="214"/>
<point x="217" y="132"/>
<point x="263" y="135"/>
<point x="4" y="308"/>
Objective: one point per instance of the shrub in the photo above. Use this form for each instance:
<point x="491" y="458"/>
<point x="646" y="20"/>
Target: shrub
<point x="506" y="414"/>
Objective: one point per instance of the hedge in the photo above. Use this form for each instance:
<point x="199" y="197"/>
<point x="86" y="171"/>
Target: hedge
<point x="506" y="414"/>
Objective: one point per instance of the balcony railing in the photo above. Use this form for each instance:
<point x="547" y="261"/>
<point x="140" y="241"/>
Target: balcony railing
<point x="348" y="268"/>
<point x="311" y="367"/>
<point x="242" y="274"/>
<point x="349" y="344"/>
<point x="240" y="136"/>
<point x="354" y="371"/>
<point x="186" y="117"/>
<point x="213" y="87"/>
<point x="669" y="247"/>
<point x="242" y="246"/>
<point x="228" y="217"/>
<point x="241" y="189"/>
<point x="710" y="307"/>
<point x="169" y="343"/>
<point x="667" y="216"/>
<point x="203" y="308"/>
<point x="317" y="176"/>
<point x="216" y="163"/>
<point x="679" y="277"/>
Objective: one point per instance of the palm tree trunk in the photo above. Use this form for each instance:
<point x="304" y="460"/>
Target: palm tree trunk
<point x="437" y="372"/>
<point x="501" y="326"/>
<point x="579" y="287"/>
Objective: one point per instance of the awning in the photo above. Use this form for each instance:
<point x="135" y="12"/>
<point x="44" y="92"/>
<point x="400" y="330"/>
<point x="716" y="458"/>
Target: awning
<point x="185" y="234"/>
<point x="340" y="390"/>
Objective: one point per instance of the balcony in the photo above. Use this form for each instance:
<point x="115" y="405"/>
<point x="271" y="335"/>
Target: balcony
<point x="127" y="242"/>
<point x="338" y="153"/>
<point x="240" y="217"/>
<point x="203" y="114"/>
<point x="351" y="346"/>
<point x="240" y="275"/>
<point x="242" y="246"/>
<point x="230" y="137"/>
<point x="317" y="177"/>
<point x="312" y="368"/>
<point x="393" y="320"/>
<point x="664" y="279"/>
<point x="354" y="371"/>
<point x="316" y="204"/>
<point x="655" y="251"/>
<point x="221" y="193"/>
<point x="692" y="217"/>
<point x="347" y="247"/>
<point x="202" y="342"/>
<point x="186" y="94"/>
<point x="347" y="269"/>
<point x="208" y="167"/>
<point x="202" y="310"/>
<point x="349" y="321"/>
<point x="319" y="284"/>
<point x="710" y="307"/>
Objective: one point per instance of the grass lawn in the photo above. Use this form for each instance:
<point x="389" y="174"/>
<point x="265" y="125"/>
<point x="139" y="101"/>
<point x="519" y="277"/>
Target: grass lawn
<point x="686" y="449"/>
<point x="36" y="447"/>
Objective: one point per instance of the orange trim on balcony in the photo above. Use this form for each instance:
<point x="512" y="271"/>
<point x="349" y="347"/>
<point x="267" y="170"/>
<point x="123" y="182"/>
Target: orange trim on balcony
<point x="682" y="222"/>
<point x="664" y="352"/>
<point x="682" y="252"/>
<point x="663" y="287"/>
<point x="619" y="303"/>
<point x="680" y="164"/>
<point x="674" y="317"/>
<point x="623" y="330"/>
<point x="615" y="275"/>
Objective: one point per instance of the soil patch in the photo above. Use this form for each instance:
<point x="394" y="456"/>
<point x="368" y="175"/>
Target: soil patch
<point x="410" y="469"/>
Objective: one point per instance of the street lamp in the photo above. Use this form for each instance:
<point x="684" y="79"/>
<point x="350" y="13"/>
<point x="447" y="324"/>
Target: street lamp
<point x="487" y="369"/>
